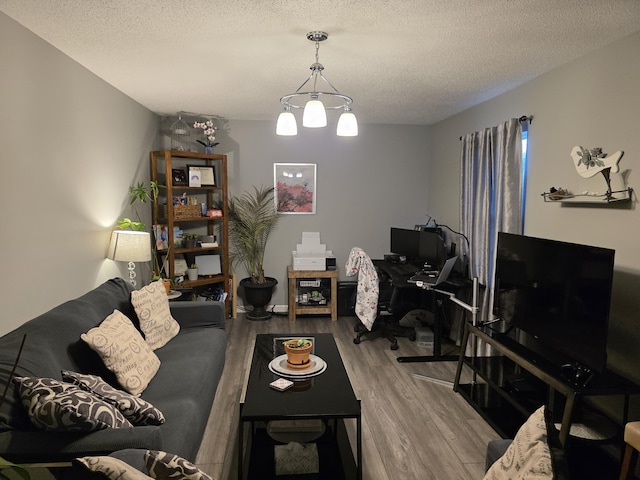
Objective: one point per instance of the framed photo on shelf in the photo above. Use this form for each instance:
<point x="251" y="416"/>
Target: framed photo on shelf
<point x="204" y="173"/>
<point x="179" y="176"/>
<point x="295" y="187"/>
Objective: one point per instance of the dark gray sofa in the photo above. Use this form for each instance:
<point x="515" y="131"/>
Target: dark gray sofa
<point x="183" y="389"/>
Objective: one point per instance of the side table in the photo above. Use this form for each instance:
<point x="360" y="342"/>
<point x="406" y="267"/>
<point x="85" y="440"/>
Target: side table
<point x="295" y="308"/>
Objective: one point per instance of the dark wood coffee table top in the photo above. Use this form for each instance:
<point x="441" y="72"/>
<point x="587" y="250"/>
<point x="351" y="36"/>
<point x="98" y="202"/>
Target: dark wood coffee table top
<point x="328" y="395"/>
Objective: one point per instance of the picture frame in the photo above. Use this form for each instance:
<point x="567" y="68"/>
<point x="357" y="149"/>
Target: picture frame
<point x="206" y="174"/>
<point x="295" y="188"/>
<point x="179" y="177"/>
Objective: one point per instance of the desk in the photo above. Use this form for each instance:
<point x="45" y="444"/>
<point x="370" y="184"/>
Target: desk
<point x="295" y="308"/>
<point x="401" y="281"/>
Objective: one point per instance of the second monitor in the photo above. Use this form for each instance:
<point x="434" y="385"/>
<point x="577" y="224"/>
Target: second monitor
<point x="418" y="246"/>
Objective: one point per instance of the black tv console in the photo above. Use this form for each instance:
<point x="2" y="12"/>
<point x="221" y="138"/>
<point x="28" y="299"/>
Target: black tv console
<point x="505" y="389"/>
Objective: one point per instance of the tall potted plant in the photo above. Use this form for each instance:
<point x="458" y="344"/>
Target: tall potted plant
<point x="252" y="218"/>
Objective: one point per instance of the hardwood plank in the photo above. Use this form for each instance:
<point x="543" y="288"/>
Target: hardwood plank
<point x="411" y="428"/>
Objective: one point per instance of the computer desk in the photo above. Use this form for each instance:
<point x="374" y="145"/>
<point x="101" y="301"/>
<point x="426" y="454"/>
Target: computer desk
<point x="401" y="281"/>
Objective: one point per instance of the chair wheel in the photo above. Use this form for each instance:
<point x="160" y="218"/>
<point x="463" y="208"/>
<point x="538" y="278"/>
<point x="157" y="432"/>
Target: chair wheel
<point x="413" y="337"/>
<point x="356" y="340"/>
<point x="394" y="346"/>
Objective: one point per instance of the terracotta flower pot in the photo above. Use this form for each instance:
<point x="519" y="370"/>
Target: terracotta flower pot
<point x="167" y="285"/>
<point x="298" y="356"/>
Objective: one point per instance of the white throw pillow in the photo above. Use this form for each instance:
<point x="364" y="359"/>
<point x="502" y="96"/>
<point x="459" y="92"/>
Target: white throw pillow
<point x="528" y="456"/>
<point x="124" y="352"/>
<point x="152" y="307"/>
<point x="111" y="468"/>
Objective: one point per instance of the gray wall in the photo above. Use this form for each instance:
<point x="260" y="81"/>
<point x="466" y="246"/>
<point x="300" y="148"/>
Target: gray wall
<point x="364" y="185"/>
<point x="71" y="146"/>
<point x="593" y="102"/>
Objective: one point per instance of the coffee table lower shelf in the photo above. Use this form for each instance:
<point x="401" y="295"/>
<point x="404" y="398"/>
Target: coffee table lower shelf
<point x="336" y="459"/>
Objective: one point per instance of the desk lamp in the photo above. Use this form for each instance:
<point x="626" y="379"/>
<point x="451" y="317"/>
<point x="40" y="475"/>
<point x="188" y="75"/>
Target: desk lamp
<point x="130" y="246"/>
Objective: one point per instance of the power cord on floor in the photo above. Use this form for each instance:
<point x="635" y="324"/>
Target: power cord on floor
<point x="278" y="314"/>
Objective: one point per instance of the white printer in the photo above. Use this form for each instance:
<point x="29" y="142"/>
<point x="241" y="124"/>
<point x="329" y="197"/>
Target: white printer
<point x="310" y="254"/>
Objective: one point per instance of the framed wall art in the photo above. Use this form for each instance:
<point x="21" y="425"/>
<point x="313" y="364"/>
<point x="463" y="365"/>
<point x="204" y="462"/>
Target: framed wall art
<point x="205" y="173"/>
<point x="295" y="187"/>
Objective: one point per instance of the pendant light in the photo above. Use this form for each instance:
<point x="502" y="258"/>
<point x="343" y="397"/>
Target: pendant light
<point x="316" y="103"/>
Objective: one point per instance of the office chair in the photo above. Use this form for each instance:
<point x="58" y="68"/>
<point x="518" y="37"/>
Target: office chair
<point x="378" y="302"/>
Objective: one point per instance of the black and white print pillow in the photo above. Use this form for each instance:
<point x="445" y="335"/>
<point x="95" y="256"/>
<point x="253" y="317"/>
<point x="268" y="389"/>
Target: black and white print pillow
<point x="166" y="466"/>
<point x="135" y="409"/>
<point x="58" y="406"/>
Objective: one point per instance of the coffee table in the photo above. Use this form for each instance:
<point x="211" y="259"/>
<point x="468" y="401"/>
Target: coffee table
<point x="327" y="396"/>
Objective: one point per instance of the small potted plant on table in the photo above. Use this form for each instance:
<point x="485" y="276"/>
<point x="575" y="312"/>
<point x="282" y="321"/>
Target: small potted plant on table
<point x="298" y="351"/>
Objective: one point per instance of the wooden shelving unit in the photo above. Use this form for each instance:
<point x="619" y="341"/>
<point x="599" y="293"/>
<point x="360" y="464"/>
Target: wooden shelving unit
<point x="163" y="162"/>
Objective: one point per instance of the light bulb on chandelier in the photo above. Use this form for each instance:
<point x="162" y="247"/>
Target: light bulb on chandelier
<point x="314" y="109"/>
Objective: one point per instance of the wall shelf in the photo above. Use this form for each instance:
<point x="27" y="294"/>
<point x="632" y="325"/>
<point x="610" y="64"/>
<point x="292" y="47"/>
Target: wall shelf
<point x="618" y="197"/>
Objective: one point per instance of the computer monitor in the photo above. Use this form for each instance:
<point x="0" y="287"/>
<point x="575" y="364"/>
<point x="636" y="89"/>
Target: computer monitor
<point x="405" y="242"/>
<point x="418" y="246"/>
<point x="432" y="249"/>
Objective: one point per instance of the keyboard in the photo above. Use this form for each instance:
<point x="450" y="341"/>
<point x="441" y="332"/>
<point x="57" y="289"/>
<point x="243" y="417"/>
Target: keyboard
<point x="403" y="268"/>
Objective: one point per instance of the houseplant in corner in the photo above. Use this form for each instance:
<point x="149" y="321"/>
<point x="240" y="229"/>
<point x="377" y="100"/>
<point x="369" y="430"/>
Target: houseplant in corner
<point x="145" y="193"/>
<point x="252" y="218"/>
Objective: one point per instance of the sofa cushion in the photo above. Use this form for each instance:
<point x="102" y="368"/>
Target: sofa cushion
<point x="57" y="406"/>
<point x="111" y="468"/>
<point x="166" y="466"/>
<point x="137" y="410"/>
<point x="152" y="307"/>
<point x="530" y="454"/>
<point x="124" y="352"/>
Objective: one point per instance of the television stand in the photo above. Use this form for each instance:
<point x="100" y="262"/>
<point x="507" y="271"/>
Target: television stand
<point x="506" y="407"/>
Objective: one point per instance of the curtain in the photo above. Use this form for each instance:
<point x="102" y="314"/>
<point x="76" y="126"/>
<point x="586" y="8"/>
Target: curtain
<point x="492" y="189"/>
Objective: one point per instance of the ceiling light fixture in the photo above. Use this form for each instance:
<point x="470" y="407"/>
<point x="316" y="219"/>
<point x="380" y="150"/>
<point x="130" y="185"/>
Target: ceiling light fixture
<point x="315" y="103"/>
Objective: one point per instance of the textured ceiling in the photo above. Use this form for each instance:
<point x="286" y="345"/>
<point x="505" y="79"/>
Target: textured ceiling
<point x="402" y="61"/>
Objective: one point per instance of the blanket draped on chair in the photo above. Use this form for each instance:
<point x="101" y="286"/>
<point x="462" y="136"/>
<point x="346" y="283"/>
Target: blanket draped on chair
<point x="368" y="289"/>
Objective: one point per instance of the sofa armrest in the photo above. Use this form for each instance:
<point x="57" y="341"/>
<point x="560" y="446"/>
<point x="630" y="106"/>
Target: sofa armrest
<point x="198" y="314"/>
<point x="40" y="446"/>
<point x="495" y="450"/>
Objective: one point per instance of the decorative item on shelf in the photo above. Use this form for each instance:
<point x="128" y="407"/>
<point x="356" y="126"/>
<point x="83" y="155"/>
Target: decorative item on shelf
<point x="192" y="272"/>
<point x="589" y="162"/>
<point x="298" y="351"/>
<point x="209" y="132"/>
<point x="558" y="193"/>
<point x="179" y="177"/>
<point x="316" y="103"/>
<point x="189" y="240"/>
<point x="180" y="135"/>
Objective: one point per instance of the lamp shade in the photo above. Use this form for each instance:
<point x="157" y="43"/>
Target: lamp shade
<point x="314" y="115"/>
<point x="286" y="124"/>
<point x="347" y="125"/>
<point x="129" y="246"/>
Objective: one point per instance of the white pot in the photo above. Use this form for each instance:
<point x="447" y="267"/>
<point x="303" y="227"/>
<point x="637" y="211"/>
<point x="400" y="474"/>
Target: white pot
<point x="192" y="273"/>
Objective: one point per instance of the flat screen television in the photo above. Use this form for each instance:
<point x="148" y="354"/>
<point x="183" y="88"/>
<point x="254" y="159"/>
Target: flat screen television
<point x="558" y="292"/>
<point x="418" y="245"/>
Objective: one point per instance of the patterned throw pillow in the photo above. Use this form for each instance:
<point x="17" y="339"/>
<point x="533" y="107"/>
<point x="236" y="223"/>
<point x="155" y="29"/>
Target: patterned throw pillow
<point x="528" y="456"/>
<point x="152" y="307"/>
<point x="57" y="406"/>
<point x="124" y="352"/>
<point x="111" y="468"/>
<point x="135" y="409"/>
<point x="166" y="466"/>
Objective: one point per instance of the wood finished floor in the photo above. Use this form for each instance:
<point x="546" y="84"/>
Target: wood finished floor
<point x="411" y="428"/>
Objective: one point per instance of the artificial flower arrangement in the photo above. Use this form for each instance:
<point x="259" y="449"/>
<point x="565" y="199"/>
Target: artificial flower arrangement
<point x="209" y="132"/>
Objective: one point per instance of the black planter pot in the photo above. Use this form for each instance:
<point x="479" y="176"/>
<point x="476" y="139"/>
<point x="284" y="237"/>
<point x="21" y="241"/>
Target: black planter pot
<point x="258" y="296"/>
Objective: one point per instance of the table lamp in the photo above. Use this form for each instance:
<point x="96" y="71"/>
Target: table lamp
<point x="130" y="246"/>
